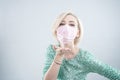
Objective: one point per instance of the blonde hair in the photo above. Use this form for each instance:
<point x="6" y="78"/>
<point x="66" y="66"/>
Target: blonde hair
<point x="58" y="21"/>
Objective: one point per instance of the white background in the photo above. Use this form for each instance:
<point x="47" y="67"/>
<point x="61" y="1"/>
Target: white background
<point x="25" y="33"/>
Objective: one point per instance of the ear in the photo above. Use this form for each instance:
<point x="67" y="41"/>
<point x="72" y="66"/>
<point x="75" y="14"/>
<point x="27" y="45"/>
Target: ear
<point x="78" y="33"/>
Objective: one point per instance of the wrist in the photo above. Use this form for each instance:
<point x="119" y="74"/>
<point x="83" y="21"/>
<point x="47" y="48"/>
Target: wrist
<point x="57" y="62"/>
<point x="58" y="59"/>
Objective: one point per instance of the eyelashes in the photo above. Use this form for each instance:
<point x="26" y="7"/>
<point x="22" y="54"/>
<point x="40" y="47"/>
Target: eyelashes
<point x="62" y="24"/>
<point x="72" y="25"/>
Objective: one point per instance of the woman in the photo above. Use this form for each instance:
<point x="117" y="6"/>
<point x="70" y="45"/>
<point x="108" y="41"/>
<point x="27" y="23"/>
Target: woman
<point x="66" y="61"/>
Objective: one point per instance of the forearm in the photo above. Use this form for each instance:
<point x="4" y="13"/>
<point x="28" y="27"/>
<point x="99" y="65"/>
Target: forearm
<point x="109" y="72"/>
<point x="53" y="71"/>
<point x="103" y="69"/>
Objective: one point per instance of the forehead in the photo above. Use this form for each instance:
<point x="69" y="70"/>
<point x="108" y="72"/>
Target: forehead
<point x="70" y="18"/>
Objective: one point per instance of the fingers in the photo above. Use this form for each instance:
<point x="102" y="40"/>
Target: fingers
<point x="61" y="50"/>
<point x="58" y="49"/>
<point x="67" y="49"/>
<point x="55" y="47"/>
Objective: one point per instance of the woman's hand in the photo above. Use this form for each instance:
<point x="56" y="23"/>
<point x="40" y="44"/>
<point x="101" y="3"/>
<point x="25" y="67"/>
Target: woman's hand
<point x="62" y="52"/>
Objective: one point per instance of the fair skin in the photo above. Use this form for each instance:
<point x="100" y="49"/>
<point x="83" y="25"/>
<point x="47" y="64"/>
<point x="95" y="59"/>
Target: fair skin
<point x="68" y="50"/>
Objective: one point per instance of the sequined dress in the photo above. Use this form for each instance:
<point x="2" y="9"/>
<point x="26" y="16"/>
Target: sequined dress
<point x="78" y="67"/>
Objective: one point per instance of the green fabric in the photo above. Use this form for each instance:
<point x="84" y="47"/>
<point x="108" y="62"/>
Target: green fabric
<point x="78" y="67"/>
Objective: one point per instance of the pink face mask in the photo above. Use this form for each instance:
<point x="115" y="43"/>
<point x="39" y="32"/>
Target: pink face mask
<point x="66" y="33"/>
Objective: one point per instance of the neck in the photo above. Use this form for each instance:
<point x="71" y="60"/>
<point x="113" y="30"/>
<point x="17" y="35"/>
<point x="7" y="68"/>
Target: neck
<point x="68" y="45"/>
<point x="71" y="46"/>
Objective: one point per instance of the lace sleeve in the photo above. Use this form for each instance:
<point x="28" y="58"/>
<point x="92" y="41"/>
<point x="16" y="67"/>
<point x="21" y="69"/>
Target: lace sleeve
<point x="97" y="66"/>
<point x="49" y="59"/>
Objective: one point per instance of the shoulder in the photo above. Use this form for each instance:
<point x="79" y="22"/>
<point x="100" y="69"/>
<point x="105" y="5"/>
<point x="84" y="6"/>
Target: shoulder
<point x="50" y="50"/>
<point x="51" y="47"/>
<point x="86" y="54"/>
<point x="85" y="51"/>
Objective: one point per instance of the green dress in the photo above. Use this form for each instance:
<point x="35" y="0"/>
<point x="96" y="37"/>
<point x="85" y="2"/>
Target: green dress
<point x="78" y="67"/>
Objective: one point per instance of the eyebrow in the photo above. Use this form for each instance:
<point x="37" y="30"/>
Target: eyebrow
<point x="69" y="21"/>
<point x="62" y="21"/>
<point x="72" y="21"/>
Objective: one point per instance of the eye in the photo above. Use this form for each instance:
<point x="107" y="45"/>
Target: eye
<point x="72" y="25"/>
<point x="61" y="24"/>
